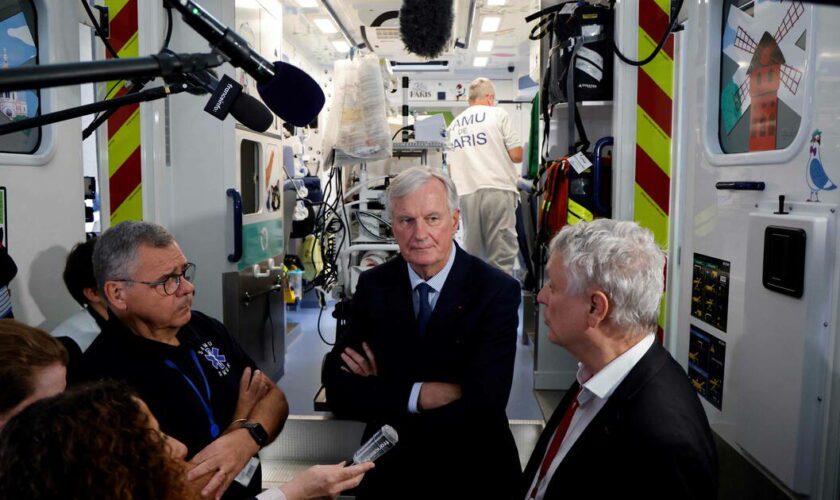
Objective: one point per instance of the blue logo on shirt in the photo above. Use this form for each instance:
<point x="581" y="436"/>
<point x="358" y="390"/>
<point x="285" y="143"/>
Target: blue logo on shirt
<point x="213" y="356"/>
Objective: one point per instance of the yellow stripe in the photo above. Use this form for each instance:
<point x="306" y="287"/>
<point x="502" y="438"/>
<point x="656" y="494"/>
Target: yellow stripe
<point x="124" y="142"/>
<point x="665" y="5"/>
<point x="656" y="143"/>
<point x="114" y="7"/>
<point x="131" y="208"/>
<point x="113" y="88"/>
<point x="132" y="47"/>
<point x="653" y="140"/>
<point x="578" y="212"/>
<point x="649" y="215"/>
<point x="661" y="69"/>
<point x="661" y="320"/>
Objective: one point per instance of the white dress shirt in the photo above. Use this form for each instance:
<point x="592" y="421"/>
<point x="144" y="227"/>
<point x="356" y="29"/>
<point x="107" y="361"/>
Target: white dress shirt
<point x="436" y="283"/>
<point x="596" y="389"/>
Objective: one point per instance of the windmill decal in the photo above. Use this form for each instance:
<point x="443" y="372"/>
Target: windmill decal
<point x="767" y="70"/>
<point x="815" y="173"/>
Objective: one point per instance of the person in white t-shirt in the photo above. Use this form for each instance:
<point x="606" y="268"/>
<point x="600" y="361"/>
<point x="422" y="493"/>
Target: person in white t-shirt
<point x="484" y="147"/>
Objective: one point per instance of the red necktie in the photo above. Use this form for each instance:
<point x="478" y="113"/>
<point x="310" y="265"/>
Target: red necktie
<point x="556" y="441"/>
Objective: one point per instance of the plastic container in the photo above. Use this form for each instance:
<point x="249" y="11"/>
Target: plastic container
<point x="296" y="283"/>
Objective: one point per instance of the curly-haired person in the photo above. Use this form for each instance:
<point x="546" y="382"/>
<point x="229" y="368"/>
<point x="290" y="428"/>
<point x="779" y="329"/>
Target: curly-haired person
<point x="95" y="441"/>
<point x="101" y="441"/>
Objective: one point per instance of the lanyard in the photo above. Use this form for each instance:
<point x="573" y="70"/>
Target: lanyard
<point x="205" y="403"/>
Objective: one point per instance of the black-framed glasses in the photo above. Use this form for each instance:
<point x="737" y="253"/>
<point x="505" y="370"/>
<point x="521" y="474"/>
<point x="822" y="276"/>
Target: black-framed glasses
<point x="170" y="283"/>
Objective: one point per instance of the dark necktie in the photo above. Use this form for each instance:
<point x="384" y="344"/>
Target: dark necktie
<point x="425" y="311"/>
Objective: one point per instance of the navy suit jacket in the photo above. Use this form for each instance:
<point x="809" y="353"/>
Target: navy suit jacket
<point x="650" y="440"/>
<point x="464" y="449"/>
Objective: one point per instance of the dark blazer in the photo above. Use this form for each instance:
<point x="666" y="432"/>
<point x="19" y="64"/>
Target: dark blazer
<point x="650" y="440"/>
<point x="464" y="449"/>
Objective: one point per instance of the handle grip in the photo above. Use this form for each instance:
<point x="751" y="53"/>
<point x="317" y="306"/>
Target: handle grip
<point x="601" y="208"/>
<point x="237" y="225"/>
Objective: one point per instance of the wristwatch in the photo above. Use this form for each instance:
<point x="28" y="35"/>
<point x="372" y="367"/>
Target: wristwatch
<point x="257" y="432"/>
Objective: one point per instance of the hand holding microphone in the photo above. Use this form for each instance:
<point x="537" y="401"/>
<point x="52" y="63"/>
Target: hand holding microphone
<point x="383" y="440"/>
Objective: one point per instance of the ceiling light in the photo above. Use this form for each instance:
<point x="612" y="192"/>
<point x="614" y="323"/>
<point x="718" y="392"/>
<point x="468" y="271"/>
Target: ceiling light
<point x="325" y="25"/>
<point x="341" y="46"/>
<point x="480" y="62"/>
<point x="484" y="46"/>
<point x="495" y="2"/>
<point x="307" y="4"/>
<point x="490" y="24"/>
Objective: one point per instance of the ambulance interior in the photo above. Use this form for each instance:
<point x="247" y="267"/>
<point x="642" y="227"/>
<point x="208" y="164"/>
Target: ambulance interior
<point x="723" y="143"/>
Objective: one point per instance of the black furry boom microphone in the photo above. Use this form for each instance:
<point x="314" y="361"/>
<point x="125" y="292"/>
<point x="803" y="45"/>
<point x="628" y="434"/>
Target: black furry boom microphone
<point x="426" y="26"/>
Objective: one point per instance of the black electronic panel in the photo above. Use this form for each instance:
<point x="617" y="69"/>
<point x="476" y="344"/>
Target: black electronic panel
<point x="784" y="260"/>
<point x="706" y="365"/>
<point x="90" y="187"/>
<point x="710" y="290"/>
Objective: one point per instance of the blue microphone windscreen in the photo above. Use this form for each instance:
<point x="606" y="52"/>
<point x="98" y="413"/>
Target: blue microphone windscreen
<point x="292" y="94"/>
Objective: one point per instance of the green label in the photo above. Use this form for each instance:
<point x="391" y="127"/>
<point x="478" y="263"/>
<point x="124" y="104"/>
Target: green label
<point x="261" y="240"/>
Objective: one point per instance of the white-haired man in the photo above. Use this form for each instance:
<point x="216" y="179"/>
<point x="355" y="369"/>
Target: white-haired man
<point x="430" y="350"/>
<point x="631" y="426"/>
<point x="484" y="148"/>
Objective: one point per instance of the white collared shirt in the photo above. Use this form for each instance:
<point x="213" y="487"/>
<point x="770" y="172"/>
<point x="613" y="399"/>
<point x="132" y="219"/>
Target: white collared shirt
<point x="595" y="391"/>
<point x="436" y="282"/>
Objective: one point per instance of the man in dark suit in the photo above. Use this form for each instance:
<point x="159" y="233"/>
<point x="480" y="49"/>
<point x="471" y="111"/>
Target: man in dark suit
<point x="430" y="350"/>
<point x="631" y="426"/>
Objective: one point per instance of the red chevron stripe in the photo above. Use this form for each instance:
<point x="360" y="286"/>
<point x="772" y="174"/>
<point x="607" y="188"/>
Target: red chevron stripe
<point x="125" y="180"/>
<point x="120" y="116"/>
<point x="652" y="179"/>
<point x="123" y="26"/>
<point x="655" y="102"/>
<point x="654" y="21"/>
<point x="669" y="46"/>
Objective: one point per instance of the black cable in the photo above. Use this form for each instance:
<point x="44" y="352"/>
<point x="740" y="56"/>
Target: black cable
<point x="168" y="27"/>
<point x="407" y="127"/>
<point x="98" y="30"/>
<point x="380" y="219"/>
<point x="137" y="84"/>
<point x="326" y="227"/>
<point x="319" y="327"/>
<point x="100" y="118"/>
<point x="369" y="231"/>
<point x="65" y="114"/>
<point x="676" y="6"/>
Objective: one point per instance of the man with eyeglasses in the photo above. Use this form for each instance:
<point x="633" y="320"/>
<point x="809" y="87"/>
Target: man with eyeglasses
<point x="484" y="147"/>
<point x="185" y="365"/>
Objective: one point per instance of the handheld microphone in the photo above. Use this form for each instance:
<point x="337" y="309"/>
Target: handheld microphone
<point x="227" y="98"/>
<point x="384" y="439"/>
<point x="287" y="90"/>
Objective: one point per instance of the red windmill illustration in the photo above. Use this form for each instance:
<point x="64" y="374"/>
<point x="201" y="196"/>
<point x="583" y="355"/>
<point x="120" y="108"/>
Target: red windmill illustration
<point x="766" y="71"/>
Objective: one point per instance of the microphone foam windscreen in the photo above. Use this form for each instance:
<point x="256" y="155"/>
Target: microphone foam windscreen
<point x="292" y="94"/>
<point x="426" y="26"/>
<point x="252" y="113"/>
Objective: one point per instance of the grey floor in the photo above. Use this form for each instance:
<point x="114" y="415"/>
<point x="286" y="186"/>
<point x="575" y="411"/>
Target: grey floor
<point x="305" y="351"/>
